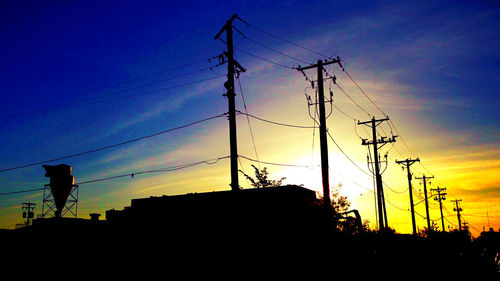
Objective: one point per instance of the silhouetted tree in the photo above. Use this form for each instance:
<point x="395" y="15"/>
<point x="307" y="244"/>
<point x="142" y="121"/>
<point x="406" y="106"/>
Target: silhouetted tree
<point x="426" y="232"/>
<point x="340" y="203"/>
<point x="261" y="180"/>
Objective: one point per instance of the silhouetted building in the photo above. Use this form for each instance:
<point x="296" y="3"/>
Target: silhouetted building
<point x="273" y="209"/>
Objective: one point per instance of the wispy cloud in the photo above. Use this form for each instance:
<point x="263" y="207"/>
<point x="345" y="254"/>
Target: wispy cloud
<point x="169" y="105"/>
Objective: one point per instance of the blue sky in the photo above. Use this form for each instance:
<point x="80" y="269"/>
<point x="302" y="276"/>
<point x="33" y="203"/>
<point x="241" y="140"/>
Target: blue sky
<point x="433" y="67"/>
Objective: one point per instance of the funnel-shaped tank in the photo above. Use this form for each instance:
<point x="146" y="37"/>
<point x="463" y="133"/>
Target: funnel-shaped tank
<point x="61" y="184"/>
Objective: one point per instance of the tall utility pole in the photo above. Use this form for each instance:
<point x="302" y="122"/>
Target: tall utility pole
<point x="28" y="213"/>
<point x="441" y="195"/>
<point x="233" y="68"/>
<point x="322" y="127"/>
<point x="382" y="214"/>
<point x="458" y="209"/>
<point x="425" y="179"/>
<point x="407" y="163"/>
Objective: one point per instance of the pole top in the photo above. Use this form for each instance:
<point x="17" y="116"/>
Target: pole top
<point x="228" y="23"/>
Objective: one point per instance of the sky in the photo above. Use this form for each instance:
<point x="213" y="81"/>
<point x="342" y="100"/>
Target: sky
<point x="77" y="76"/>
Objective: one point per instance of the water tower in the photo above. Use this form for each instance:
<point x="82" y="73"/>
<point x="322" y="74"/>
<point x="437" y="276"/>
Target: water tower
<point x="60" y="196"/>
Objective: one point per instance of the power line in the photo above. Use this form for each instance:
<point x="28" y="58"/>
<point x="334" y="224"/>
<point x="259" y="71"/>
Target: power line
<point x="275" y="123"/>
<point x="21" y="191"/>
<point x="468" y="223"/>
<point x="353" y="101"/>
<point x="481" y="216"/>
<point x="399" y="208"/>
<point x="248" y="119"/>
<point x="343" y="112"/>
<point x="366" y="95"/>
<point x="79" y="104"/>
<point x="264" y="59"/>
<point x="274" y="50"/>
<point x="404" y="142"/>
<point x="274" y="164"/>
<point x="111" y="146"/>
<point x="288" y="41"/>
<point x="108" y="86"/>
<point x="354" y="163"/>
<point x="309" y="127"/>
<point x="167" y="169"/>
<point x="395" y="191"/>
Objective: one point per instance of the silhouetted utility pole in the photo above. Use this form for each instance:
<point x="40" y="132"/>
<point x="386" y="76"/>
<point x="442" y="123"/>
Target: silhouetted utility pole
<point x="382" y="214"/>
<point x="28" y="213"/>
<point x="322" y="127"/>
<point x="458" y="209"/>
<point x="440" y="196"/>
<point x="425" y="179"/>
<point x="233" y="68"/>
<point x="407" y="163"/>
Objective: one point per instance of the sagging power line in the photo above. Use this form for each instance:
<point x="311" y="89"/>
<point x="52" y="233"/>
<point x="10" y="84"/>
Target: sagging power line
<point x="211" y="161"/>
<point x="110" y="146"/>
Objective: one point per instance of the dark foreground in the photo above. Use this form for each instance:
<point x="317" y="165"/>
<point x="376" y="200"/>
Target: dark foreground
<point x="247" y="252"/>
<point x="278" y="232"/>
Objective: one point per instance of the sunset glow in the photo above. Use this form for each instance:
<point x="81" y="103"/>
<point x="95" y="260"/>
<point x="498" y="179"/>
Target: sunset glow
<point x="133" y="71"/>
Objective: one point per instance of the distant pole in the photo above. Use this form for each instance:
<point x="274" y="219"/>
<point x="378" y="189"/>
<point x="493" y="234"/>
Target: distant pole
<point x="488" y="216"/>
<point x="322" y="128"/>
<point x="229" y="85"/>
<point x="425" y="179"/>
<point x="407" y="163"/>
<point x="458" y="209"/>
<point x="28" y="213"/>
<point x="373" y="123"/>
<point x="440" y="198"/>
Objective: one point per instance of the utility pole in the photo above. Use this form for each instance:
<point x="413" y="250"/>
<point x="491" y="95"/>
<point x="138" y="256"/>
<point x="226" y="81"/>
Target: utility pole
<point x="28" y="213"/>
<point x="407" y="163"/>
<point x="458" y="209"/>
<point x="382" y="214"/>
<point x="425" y="179"/>
<point x="233" y="67"/>
<point x="440" y="197"/>
<point x="322" y="127"/>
